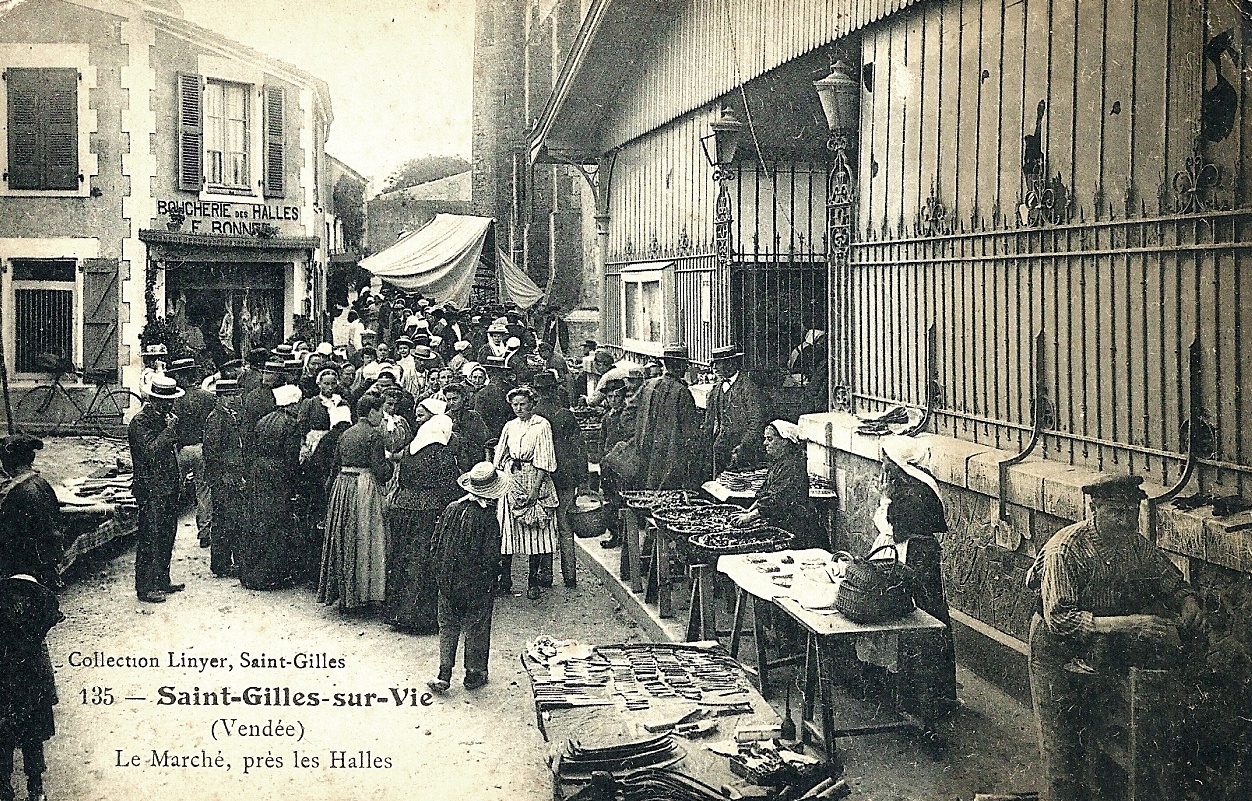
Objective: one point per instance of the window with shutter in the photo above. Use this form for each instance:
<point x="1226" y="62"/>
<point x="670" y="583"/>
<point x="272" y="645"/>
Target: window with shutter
<point x="43" y="128"/>
<point x="275" y="140"/>
<point x="190" y="133"/>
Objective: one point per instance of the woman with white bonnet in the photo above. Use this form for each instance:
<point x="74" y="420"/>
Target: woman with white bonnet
<point x="910" y="517"/>
<point x="427" y="476"/>
<point x="783" y="500"/>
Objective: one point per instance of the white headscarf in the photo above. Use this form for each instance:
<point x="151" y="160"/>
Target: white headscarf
<point x="787" y="430"/>
<point x="436" y="429"/>
<point x="469" y="367"/>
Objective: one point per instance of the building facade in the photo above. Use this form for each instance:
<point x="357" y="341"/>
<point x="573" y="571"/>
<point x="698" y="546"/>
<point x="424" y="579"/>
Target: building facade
<point x="153" y="169"/>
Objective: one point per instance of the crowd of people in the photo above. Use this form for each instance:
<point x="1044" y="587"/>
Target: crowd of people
<point x="339" y="465"/>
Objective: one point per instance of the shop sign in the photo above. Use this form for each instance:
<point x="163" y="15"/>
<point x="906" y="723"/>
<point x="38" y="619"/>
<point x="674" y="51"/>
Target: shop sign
<point x="227" y="218"/>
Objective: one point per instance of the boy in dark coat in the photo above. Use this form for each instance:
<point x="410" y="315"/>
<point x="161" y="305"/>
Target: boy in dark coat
<point x="465" y="552"/>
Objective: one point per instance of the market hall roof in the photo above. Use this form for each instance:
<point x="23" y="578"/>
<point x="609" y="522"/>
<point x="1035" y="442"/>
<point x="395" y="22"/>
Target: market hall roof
<point x="636" y="65"/>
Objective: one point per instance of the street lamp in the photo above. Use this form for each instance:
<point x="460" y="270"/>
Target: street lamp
<point x="840" y="95"/>
<point x="720" y="147"/>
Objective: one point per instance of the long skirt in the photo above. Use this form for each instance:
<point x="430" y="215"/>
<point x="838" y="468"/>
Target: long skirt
<point x="269" y="548"/>
<point x="412" y="598"/>
<point x="353" y="571"/>
<point x="531" y="529"/>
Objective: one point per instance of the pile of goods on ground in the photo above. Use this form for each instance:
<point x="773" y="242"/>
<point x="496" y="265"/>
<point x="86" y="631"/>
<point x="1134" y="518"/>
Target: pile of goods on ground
<point x="565" y="674"/>
<point x="106" y="485"/>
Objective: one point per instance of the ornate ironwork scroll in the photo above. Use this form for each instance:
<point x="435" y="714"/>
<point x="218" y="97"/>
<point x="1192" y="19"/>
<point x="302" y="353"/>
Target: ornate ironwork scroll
<point x="839" y="198"/>
<point x="722" y="219"/>
<point x="1196" y="185"/>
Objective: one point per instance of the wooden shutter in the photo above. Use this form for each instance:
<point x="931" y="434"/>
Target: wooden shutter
<point x="100" y="301"/>
<point x="190" y="133"/>
<point x="25" y="153"/>
<point x="275" y="140"/>
<point x="43" y="128"/>
<point x="61" y="129"/>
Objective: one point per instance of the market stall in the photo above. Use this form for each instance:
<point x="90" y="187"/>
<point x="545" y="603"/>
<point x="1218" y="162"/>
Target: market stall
<point x="805" y="585"/>
<point x="660" y="720"/>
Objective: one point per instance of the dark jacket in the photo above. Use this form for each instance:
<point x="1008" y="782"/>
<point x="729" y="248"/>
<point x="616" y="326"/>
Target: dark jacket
<point x="152" y="455"/>
<point x="471" y="431"/>
<point x="465" y="550"/>
<point x="362" y="446"/>
<point x="193" y="410"/>
<point x="735" y="418"/>
<point x="30" y="528"/>
<point x="223" y="443"/>
<point x="28" y="692"/>
<point x="567" y="439"/>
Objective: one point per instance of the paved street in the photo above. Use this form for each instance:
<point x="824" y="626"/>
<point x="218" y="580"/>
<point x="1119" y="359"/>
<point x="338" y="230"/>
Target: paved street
<point x="480" y="745"/>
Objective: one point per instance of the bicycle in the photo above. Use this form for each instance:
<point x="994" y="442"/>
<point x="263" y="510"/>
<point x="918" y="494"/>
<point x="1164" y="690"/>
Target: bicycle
<point x="52" y="409"/>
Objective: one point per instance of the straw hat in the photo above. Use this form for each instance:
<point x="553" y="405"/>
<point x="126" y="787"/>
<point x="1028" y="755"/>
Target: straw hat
<point x="482" y="480"/>
<point x="161" y="387"/>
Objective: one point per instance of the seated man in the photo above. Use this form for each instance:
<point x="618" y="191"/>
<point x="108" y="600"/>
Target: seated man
<point x="1109" y="600"/>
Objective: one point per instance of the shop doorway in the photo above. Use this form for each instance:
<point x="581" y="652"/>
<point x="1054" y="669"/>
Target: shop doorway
<point x="225" y="309"/>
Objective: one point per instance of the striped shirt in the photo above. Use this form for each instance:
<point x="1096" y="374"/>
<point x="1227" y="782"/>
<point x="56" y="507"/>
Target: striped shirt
<point x="1081" y="576"/>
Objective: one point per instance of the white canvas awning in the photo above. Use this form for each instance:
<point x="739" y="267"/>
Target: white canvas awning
<point x="440" y="260"/>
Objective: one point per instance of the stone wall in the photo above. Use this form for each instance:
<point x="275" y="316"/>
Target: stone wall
<point x="985" y="564"/>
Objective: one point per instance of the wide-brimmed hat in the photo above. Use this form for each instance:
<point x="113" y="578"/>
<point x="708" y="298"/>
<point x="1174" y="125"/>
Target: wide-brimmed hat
<point x="403" y="340"/>
<point x="513" y="342"/>
<point x="482" y="480"/>
<point x="611" y="385"/>
<point x="675" y="350"/>
<point x="274" y="365"/>
<point x="160" y="387"/>
<point x="283" y="351"/>
<point x="156" y="349"/>
<point x="725" y="352"/>
<point x="636" y="371"/>
<point x="911" y="456"/>
<point x="226" y="386"/>
<point x="498" y="326"/>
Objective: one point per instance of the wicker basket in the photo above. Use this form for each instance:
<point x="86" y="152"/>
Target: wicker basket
<point x="760" y="540"/>
<point x="588" y="517"/>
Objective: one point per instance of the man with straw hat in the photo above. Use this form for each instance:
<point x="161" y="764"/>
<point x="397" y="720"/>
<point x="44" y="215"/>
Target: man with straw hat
<point x="466" y="551"/>
<point x="153" y="436"/>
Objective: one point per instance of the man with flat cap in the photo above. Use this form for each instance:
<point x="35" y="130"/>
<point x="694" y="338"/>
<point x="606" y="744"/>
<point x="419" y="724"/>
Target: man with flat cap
<point x="1109" y="600"/>
<point x="153" y="438"/>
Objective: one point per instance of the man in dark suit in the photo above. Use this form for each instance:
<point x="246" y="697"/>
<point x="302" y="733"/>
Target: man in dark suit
<point x="735" y="417"/>
<point x="571" y="470"/>
<point x="192" y="410"/>
<point x="153" y="437"/>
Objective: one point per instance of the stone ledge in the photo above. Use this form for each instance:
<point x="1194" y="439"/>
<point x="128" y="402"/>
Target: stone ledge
<point x="1049" y="487"/>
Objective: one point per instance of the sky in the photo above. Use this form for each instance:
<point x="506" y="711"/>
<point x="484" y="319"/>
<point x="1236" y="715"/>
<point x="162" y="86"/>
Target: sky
<point x="399" y="71"/>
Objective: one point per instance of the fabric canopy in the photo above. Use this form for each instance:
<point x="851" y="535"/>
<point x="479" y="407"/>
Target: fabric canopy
<point x="515" y="284"/>
<point x="440" y="260"/>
